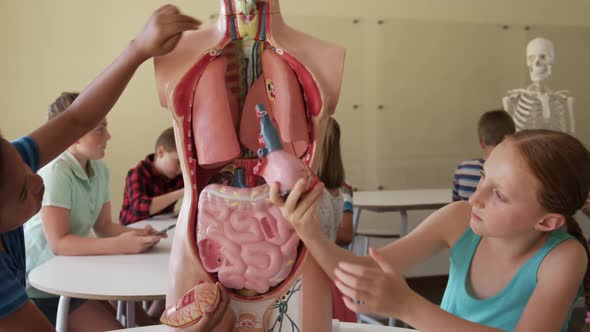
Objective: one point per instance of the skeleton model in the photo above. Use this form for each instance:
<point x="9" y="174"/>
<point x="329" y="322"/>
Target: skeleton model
<point x="537" y="107"/>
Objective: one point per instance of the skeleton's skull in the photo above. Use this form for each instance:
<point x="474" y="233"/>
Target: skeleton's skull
<point x="540" y="55"/>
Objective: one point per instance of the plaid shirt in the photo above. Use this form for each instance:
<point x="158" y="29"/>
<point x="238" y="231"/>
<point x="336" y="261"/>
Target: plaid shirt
<point x="143" y="183"/>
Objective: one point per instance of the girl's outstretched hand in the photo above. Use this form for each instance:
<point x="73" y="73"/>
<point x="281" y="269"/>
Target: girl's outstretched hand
<point x="299" y="209"/>
<point x="373" y="290"/>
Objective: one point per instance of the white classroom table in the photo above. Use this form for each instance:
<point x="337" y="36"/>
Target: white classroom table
<point x="394" y="201"/>
<point x="399" y="200"/>
<point x="343" y="327"/>
<point x="108" y="277"/>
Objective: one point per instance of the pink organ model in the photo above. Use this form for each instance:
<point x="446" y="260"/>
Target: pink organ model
<point x="250" y="98"/>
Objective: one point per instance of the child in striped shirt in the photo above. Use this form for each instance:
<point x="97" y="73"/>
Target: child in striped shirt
<point x="493" y="126"/>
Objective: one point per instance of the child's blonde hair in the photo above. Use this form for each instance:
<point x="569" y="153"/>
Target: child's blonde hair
<point x="561" y="163"/>
<point x="331" y="170"/>
<point x="61" y="104"/>
<point x="166" y="140"/>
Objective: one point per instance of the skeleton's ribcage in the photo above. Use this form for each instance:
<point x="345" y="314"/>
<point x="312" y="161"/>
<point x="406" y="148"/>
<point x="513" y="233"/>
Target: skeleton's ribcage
<point x="529" y="114"/>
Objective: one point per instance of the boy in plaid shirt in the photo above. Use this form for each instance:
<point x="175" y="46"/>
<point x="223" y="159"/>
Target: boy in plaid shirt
<point x="155" y="184"/>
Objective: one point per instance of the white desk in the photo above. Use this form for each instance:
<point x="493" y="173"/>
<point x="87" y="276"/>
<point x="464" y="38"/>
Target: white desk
<point x="344" y="327"/>
<point x="108" y="277"/>
<point x="399" y="200"/>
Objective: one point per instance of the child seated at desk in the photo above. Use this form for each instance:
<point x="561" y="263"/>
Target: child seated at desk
<point x="155" y="184"/>
<point x="76" y="201"/>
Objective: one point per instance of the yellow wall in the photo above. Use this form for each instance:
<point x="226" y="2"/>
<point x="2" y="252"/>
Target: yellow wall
<point x="60" y="45"/>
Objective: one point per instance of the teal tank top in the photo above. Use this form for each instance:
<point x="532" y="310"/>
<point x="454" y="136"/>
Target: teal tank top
<point x="503" y="310"/>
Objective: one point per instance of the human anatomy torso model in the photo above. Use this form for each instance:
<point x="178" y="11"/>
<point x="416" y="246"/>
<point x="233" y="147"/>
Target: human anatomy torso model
<point x="250" y="98"/>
